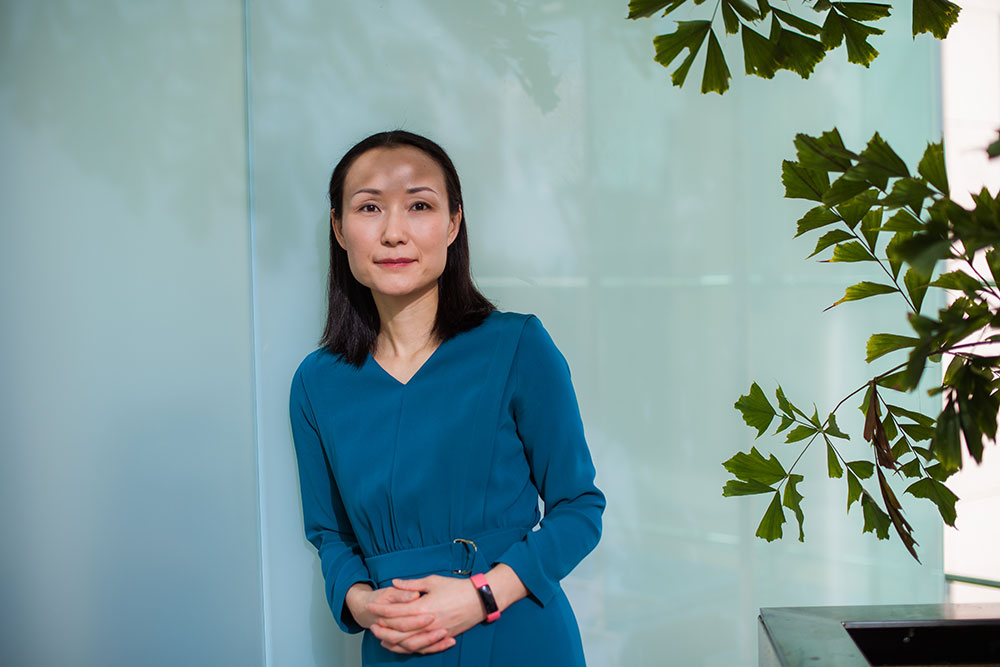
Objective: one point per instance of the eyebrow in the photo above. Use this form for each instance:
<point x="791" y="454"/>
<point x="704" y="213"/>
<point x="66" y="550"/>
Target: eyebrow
<point x="409" y="191"/>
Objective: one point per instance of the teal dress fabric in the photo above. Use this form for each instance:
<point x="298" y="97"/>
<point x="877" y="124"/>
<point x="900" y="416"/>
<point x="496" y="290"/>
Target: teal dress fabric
<point x="401" y="480"/>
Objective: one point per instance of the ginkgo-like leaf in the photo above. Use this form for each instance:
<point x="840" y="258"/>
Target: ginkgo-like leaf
<point x="757" y="411"/>
<point x="937" y="493"/>
<point x="792" y="499"/>
<point x="753" y="467"/>
<point x="716" y="76"/>
<point x="934" y="16"/>
<point x="770" y="525"/>
<point x="864" y="290"/>
<point x="932" y="167"/>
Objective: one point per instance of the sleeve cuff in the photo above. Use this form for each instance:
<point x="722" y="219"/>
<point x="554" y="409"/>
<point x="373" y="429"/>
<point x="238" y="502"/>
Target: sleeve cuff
<point x="352" y="573"/>
<point x="522" y="559"/>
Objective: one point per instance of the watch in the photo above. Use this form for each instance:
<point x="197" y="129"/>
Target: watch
<point x="486" y="595"/>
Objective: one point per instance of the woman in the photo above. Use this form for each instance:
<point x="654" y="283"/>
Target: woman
<point x="426" y="428"/>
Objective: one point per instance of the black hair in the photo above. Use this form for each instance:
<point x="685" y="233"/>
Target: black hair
<point x="352" y="321"/>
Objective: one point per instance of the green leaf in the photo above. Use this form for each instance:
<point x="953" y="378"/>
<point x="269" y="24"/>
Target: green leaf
<point x="871" y="224"/>
<point x="889" y="426"/>
<point x="916" y="286"/>
<point x="908" y="192"/>
<point x="958" y="280"/>
<point x="939" y="472"/>
<point x="843" y="189"/>
<point x="993" y="261"/>
<point x="759" y="54"/>
<point x="833" y="32"/>
<point x="934" y="16"/>
<point x="876" y="521"/>
<point x="947" y="443"/>
<point x="854" y="490"/>
<point x="833" y="429"/>
<point x="757" y="411"/>
<point x="878" y="158"/>
<point x="857" y="207"/>
<point x="863" y="469"/>
<point x="893" y="254"/>
<point x="903" y="221"/>
<point x="729" y="19"/>
<point x="863" y="11"/>
<point x="831" y="238"/>
<point x="856" y="35"/>
<point x="743" y="9"/>
<point x="794" y="21"/>
<point x="783" y="403"/>
<point x="932" y="167"/>
<point x="796" y="52"/>
<point x="917" y="432"/>
<point x="764" y="7"/>
<point x="638" y="9"/>
<point x="863" y="290"/>
<point x="800" y="432"/>
<point x="881" y="344"/>
<point x="832" y="465"/>
<point x="901" y="447"/>
<point x="753" y="467"/>
<point x="823" y="153"/>
<point x="802" y="183"/>
<point x="689" y="35"/>
<point x="785" y="423"/>
<point x="937" y="493"/>
<point x="770" y="525"/>
<point x="737" y="488"/>
<point x="852" y="252"/>
<point x="716" y="77"/>
<point x="911" y="468"/>
<point x="793" y="501"/>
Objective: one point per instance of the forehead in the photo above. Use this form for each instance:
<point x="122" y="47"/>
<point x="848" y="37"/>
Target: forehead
<point x="401" y="166"/>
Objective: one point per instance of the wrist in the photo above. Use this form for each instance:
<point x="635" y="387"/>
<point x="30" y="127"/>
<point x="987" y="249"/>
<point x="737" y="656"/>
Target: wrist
<point x="356" y="602"/>
<point x="486" y="597"/>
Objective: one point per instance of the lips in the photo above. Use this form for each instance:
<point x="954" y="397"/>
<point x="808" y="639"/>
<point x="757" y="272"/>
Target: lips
<point x="395" y="261"/>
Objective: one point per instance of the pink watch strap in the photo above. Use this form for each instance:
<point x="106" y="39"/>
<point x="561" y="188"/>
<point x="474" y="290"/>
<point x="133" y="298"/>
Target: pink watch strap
<point x="486" y="594"/>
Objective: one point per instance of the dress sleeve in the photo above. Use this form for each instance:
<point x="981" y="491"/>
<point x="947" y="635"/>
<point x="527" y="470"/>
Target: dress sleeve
<point x="549" y="425"/>
<point x="326" y="523"/>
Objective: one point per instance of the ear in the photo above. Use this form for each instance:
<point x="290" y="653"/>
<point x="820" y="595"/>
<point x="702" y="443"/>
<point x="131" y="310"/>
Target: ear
<point x="338" y="229"/>
<point x="454" y="224"/>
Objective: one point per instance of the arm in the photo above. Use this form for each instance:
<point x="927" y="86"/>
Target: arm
<point x="326" y="524"/>
<point x="548" y="423"/>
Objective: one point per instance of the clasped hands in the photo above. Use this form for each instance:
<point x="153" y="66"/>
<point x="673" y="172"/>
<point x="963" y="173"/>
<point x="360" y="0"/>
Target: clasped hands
<point x="417" y="615"/>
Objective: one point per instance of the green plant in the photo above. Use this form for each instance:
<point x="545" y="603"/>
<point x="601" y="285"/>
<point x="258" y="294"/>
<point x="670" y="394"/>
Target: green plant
<point x="876" y="210"/>
<point x="792" y="43"/>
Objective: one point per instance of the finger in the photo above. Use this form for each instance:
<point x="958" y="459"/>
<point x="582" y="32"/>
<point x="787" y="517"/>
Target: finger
<point x="422" y="585"/>
<point x="396" y="595"/>
<point x="396" y="609"/>
<point x="423" y="640"/>
<point x="408" y="642"/>
<point x="407" y="623"/>
<point x="442" y="645"/>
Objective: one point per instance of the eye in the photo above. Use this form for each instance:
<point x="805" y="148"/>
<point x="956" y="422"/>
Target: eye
<point x="368" y="208"/>
<point x="421" y="206"/>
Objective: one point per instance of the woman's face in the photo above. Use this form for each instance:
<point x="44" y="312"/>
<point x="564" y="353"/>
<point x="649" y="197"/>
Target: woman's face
<point x="395" y="226"/>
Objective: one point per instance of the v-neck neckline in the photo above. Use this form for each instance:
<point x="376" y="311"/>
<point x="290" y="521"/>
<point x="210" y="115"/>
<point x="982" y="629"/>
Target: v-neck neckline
<point x="417" y="372"/>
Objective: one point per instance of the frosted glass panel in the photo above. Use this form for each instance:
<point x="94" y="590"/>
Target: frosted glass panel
<point x="645" y="226"/>
<point x="128" y="499"/>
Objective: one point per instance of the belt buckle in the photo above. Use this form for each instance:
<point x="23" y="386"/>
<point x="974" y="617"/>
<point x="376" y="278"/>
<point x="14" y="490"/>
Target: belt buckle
<point x="468" y="544"/>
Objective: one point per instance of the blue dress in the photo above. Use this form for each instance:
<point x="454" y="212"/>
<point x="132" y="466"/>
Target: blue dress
<point x="442" y="475"/>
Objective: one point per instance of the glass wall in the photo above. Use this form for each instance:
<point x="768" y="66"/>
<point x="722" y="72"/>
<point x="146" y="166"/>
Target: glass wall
<point x="645" y="225"/>
<point x="128" y="484"/>
<point x="163" y="249"/>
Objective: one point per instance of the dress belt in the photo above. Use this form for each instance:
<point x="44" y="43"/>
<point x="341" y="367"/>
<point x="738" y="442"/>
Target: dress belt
<point x="461" y="557"/>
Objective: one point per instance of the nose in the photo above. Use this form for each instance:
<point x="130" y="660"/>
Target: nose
<point x="394" y="230"/>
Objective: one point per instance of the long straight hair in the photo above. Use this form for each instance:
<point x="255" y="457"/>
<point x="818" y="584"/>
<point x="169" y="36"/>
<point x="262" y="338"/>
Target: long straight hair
<point x="352" y="320"/>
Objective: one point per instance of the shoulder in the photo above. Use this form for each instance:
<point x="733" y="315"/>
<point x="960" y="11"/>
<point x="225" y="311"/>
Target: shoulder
<point x="317" y="363"/>
<point x="531" y="339"/>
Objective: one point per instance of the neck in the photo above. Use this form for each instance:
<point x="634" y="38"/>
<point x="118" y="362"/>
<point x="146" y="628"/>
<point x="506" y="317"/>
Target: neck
<point x="407" y="323"/>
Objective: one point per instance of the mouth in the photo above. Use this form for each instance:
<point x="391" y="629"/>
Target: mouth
<point x="395" y="262"/>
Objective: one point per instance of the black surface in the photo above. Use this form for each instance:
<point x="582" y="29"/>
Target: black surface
<point x="928" y="643"/>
